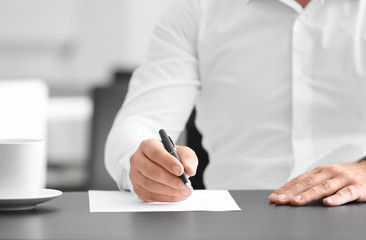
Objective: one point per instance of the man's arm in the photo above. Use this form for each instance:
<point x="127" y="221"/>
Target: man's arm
<point x="161" y="94"/>
<point x="335" y="184"/>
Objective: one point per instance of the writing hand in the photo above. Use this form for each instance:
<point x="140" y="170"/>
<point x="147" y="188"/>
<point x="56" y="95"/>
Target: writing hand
<point x="335" y="184"/>
<point x="154" y="173"/>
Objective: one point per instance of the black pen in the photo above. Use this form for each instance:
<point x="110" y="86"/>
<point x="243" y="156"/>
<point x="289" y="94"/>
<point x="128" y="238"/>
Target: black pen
<point x="170" y="147"/>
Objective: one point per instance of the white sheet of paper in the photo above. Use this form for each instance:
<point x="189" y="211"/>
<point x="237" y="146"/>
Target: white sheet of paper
<point x="200" y="200"/>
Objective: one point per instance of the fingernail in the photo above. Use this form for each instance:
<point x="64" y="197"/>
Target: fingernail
<point x="282" y="197"/>
<point x="192" y="167"/>
<point x="297" y="198"/>
<point x="272" y="195"/>
<point x="177" y="170"/>
<point x="329" y="200"/>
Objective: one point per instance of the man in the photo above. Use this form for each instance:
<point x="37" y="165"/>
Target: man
<point x="279" y="88"/>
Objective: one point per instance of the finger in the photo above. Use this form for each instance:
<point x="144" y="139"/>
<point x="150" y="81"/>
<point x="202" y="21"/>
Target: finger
<point x="189" y="159"/>
<point x="148" y="196"/>
<point x="297" y="180"/>
<point x="159" y="188"/>
<point x="289" y="185"/>
<point x="155" y="151"/>
<point x="323" y="189"/>
<point x="155" y="172"/>
<point x="297" y="185"/>
<point x="345" y="195"/>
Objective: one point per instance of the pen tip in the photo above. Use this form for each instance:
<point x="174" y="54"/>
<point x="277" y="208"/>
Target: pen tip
<point x="188" y="185"/>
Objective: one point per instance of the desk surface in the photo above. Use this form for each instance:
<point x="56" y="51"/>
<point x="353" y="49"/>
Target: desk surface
<point x="68" y="217"/>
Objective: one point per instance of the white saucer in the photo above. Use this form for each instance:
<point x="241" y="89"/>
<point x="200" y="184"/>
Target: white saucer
<point x="29" y="202"/>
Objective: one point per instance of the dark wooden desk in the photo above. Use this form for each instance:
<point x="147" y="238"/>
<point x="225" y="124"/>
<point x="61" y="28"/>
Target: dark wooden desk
<point x="68" y="217"/>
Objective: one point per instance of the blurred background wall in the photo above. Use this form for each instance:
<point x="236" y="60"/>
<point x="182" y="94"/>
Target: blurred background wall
<point x="77" y="47"/>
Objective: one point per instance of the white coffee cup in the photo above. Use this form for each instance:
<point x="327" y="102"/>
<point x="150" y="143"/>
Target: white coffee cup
<point x="21" y="166"/>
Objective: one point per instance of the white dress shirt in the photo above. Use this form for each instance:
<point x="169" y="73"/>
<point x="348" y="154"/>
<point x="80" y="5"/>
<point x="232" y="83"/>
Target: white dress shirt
<point x="279" y="89"/>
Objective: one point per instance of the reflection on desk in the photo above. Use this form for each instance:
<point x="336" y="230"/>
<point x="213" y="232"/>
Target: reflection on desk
<point x="68" y="217"/>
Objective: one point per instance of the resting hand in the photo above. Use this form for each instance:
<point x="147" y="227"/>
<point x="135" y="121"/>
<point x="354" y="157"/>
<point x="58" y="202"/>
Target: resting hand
<point x="154" y="173"/>
<point x="336" y="184"/>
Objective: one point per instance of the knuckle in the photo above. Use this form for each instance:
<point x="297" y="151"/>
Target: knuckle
<point x="148" y="184"/>
<point x="151" y="172"/>
<point x="131" y="175"/>
<point x="346" y="175"/>
<point x="299" y="180"/>
<point x="306" y="196"/>
<point x="154" y="152"/>
<point x="133" y="159"/>
<point x="295" y="190"/>
<point x="325" y="185"/>
<point x="295" y="181"/>
<point x="294" y="185"/>
<point x="334" y="169"/>
<point x="144" y="144"/>
<point x="309" y="181"/>
<point x="351" y="192"/>
<point x="311" y="193"/>
<point x="142" y="194"/>
<point x="148" y="147"/>
<point x="320" y="169"/>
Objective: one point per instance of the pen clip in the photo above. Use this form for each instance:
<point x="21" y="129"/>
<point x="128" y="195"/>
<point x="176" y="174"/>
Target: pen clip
<point x="172" y="143"/>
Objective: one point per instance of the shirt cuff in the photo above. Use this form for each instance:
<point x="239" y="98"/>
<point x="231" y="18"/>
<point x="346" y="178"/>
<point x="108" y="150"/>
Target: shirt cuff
<point x="122" y="174"/>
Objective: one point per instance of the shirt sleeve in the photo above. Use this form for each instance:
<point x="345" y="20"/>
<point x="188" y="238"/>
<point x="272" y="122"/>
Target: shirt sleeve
<point x="162" y="90"/>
